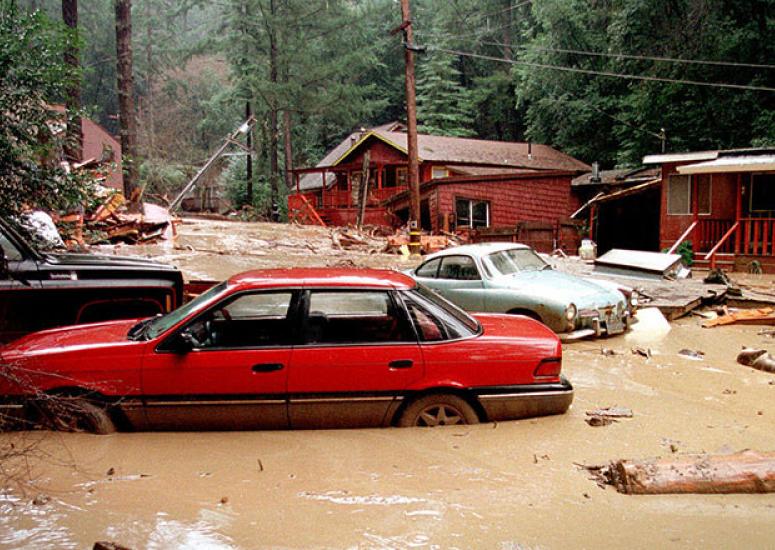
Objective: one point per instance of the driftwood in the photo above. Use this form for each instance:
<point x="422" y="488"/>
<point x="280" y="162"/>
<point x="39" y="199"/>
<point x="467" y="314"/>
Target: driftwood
<point x="761" y="316"/>
<point x="744" y="472"/>
<point x="757" y="358"/>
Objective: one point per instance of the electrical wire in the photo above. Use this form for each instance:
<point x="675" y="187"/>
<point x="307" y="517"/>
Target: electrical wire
<point x="605" y="73"/>
<point x="639" y="57"/>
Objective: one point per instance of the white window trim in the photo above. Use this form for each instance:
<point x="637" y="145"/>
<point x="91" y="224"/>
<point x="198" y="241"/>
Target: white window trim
<point x="471" y="211"/>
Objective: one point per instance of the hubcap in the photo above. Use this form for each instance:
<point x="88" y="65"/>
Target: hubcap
<point x="440" y="415"/>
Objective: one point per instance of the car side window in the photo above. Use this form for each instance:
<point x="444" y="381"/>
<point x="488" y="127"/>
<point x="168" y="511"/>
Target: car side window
<point x="428" y="269"/>
<point x="460" y="268"/>
<point x="354" y="317"/>
<point x="12" y="253"/>
<point x="247" y="321"/>
<point x="429" y="329"/>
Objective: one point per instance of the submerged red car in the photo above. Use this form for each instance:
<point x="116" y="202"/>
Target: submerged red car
<point x="294" y="348"/>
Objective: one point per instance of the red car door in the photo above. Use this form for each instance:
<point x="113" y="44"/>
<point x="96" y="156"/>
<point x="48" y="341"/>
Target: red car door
<point x="358" y="353"/>
<point x="235" y="377"/>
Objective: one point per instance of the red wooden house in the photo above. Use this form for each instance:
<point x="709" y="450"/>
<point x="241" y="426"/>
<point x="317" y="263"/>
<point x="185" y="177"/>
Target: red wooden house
<point x="463" y="182"/>
<point x="723" y="202"/>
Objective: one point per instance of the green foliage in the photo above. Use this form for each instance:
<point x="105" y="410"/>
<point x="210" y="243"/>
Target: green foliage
<point x="233" y="181"/>
<point x="162" y="178"/>
<point x="32" y="77"/>
<point x="686" y="251"/>
<point x="618" y="121"/>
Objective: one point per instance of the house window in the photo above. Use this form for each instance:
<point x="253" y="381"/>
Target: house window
<point x="762" y="192"/>
<point x="679" y="195"/>
<point x="439" y="172"/>
<point x="401" y="176"/>
<point x="472" y="213"/>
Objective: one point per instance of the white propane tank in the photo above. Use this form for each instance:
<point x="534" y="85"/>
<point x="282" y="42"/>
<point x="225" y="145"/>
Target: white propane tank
<point x="588" y="249"/>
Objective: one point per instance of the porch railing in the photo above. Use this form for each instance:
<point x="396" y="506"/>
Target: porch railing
<point x="711" y="256"/>
<point x="757" y="237"/>
<point x="335" y="198"/>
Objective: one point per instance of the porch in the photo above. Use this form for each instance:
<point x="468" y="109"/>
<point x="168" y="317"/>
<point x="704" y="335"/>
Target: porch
<point x="340" y="194"/>
<point x="733" y="218"/>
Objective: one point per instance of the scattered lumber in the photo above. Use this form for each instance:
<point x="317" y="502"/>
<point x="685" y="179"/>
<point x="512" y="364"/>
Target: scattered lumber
<point x="759" y="316"/>
<point x="744" y="472"/>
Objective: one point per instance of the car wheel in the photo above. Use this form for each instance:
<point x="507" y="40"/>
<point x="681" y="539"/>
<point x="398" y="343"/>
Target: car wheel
<point x="75" y="414"/>
<point x="438" y="410"/>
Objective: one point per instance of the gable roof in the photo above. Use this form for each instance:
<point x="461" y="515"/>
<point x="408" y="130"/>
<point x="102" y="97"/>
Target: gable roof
<point x="509" y="156"/>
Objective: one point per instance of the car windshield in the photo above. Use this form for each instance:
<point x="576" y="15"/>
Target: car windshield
<point x="159" y="325"/>
<point x="451" y="309"/>
<point x="514" y="260"/>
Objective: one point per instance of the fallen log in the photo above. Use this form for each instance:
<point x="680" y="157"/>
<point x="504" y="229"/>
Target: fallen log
<point x="744" y="472"/>
<point x="757" y="358"/>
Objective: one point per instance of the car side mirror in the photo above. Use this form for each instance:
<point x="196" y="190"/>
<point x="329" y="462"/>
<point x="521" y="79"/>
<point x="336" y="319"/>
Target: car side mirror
<point x="185" y="342"/>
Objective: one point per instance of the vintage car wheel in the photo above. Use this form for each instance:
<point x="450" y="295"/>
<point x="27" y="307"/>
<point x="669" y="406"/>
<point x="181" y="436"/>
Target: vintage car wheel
<point x="76" y="415"/>
<point x="438" y="410"/>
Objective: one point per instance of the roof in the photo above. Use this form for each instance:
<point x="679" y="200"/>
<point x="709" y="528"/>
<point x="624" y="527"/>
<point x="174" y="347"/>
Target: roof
<point x="479" y="249"/>
<point x="488" y="171"/>
<point x="742" y="163"/>
<point x="485" y="153"/>
<point x="705" y="155"/>
<point x="625" y="176"/>
<point x="323" y="277"/>
<point x="314" y="181"/>
<point x="490" y="156"/>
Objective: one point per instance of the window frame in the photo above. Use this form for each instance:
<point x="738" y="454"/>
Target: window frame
<point x="670" y="193"/>
<point x="754" y="175"/>
<point x="443" y="172"/>
<point x="471" y="202"/>
<point x="451" y="256"/>
<point x="395" y="305"/>
<point x="167" y="345"/>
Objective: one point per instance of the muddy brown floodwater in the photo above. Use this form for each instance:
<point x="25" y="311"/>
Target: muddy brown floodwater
<point x="511" y="485"/>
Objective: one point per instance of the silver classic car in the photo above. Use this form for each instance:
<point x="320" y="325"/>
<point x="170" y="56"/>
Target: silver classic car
<point x="512" y="278"/>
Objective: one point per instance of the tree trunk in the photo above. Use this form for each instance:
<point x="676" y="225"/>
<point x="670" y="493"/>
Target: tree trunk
<point x="127" y="115"/>
<point x="151" y="127"/>
<point x="74" y="138"/>
<point x="287" y="135"/>
<point x="273" y="141"/>
<point x="249" y="158"/>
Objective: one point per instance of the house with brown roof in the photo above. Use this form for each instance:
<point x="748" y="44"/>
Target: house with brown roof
<point x="464" y="183"/>
<point x="100" y="150"/>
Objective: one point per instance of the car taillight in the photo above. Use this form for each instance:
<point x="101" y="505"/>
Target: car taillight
<point x="548" y="368"/>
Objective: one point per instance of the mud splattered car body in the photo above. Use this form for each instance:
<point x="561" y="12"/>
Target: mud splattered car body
<point x="301" y="348"/>
<point x="512" y="278"/>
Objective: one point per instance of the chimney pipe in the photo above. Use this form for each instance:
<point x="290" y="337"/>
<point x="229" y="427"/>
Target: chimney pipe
<point x="529" y="150"/>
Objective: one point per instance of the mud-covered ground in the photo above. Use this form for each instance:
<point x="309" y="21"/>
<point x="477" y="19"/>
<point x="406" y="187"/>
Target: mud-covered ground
<point x="510" y="485"/>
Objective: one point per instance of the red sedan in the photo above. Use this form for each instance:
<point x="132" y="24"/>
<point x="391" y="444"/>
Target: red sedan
<point x="296" y="348"/>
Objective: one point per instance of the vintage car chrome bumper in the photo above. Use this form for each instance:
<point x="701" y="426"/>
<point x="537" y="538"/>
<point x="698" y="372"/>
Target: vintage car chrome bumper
<point x="596" y="323"/>
<point x="513" y="402"/>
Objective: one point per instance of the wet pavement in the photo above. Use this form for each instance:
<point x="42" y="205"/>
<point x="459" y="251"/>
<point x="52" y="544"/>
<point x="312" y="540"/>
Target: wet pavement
<point x="510" y="485"/>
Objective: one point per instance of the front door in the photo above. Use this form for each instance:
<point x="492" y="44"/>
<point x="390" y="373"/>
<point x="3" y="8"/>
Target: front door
<point x="236" y="375"/>
<point x="359" y="352"/>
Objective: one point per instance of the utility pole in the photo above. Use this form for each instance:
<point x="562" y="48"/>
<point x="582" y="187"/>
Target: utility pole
<point x="411" y="129"/>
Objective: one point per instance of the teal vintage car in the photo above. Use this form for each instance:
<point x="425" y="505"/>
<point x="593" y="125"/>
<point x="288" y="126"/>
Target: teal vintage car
<point x="512" y="278"/>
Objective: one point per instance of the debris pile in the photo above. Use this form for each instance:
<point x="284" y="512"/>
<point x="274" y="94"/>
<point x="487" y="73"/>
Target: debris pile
<point x="112" y="223"/>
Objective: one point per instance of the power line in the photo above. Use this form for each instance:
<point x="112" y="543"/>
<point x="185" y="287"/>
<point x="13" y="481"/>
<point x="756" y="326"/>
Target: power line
<point x="606" y="73"/>
<point x="639" y="57"/>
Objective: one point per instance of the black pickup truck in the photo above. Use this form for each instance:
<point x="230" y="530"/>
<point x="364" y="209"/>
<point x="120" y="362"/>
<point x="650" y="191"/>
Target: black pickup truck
<point x="43" y="290"/>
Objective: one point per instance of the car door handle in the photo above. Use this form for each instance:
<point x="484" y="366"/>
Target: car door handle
<point x="267" y="367"/>
<point x="401" y="364"/>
